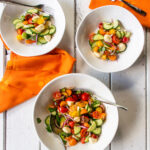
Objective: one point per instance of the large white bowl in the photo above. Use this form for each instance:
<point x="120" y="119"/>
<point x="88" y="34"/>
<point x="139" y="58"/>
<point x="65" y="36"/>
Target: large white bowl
<point x="82" y="81"/>
<point x="9" y="33"/>
<point x="90" y="24"/>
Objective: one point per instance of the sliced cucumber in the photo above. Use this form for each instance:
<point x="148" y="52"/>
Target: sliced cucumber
<point x="77" y="129"/>
<point x="107" y="26"/>
<point x="62" y="120"/>
<point x="97" y="131"/>
<point x="98" y="37"/>
<point x="52" y="30"/>
<point x="87" y="139"/>
<point x="42" y="40"/>
<point x="93" y="45"/>
<point x="28" y="31"/>
<point x="47" y="123"/>
<point x="54" y="113"/>
<point x="34" y="31"/>
<point x="115" y="24"/>
<point x="78" y="135"/>
<point x="16" y="21"/>
<point x="22" y="18"/>
<point x="92" y="127"/>
<point x="118" y="33"/>
<point x="33" y="11"/>
<point x="121" y="47"/>
<point x="24" y="35"/>
<point x="19" y="25"/>
<point x="118" y="28"/>
<point x="46" y="16"/>
<point x="28" y="26"/>
<point x="99" y="122"/>
<point x="128" y="34"/>
<point x="96" y="103"/>
<point x="45" y="32"/>
<point x="122" y="33"/>
<point x="106" y="45"/>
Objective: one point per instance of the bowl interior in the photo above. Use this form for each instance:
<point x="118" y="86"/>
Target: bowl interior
<point x="129" y="22"/>
<point x="9" y="33"/>
<point x="79" y="81"/>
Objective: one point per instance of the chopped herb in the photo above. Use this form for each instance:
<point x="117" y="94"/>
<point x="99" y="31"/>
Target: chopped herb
<point x="38" y="120"/>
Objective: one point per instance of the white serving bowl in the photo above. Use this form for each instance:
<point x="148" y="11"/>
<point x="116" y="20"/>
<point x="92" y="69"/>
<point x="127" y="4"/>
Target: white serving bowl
<point x="90" y="24"/>
<point x="82" y="81"/>
<point x="9" y="33"/>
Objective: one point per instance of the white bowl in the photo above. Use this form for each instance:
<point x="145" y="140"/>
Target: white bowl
<point x="9" y="33"/>
<point x="90" y="24"/>
<point x="82" y="81"/>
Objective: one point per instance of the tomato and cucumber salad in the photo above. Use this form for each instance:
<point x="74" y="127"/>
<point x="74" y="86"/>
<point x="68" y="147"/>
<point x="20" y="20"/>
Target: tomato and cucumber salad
<point x="35" y="26"/>
<point x="76" y="116"/>
<point x="110" y="40"/>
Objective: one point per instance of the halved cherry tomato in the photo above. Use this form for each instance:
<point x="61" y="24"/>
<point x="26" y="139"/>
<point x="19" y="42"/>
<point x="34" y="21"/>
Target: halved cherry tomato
<point x="84" y="133"/>
<point x="71" y="124"/>
<point x="30" y="41"/>
<point x="96" y="115"/>
<point x="27" y="17"/>
<point x="115" y="39"/>
<point x="94" y="136"/>
<point x="72" y="142"/>
<point x="75" y="97"/>
<point x="91" y="37"/>
<point x="125" y="40"/>
<point x="35" y="24"/>
<point x="85" y="96"/>
<point x="100" y="25"/>
<point x="20" y="31"/>
<point x="83" y="140"/>
<point x="62" y="109"/>
<point x="30" y="21"/>
<point x="103" y="116"/>
<point x="107" y="53"/>
<point x="112" y="57"/>
<point x="56" y="95"/>
<point x="70" y="99"/>
<point x="84" y="119"/>
<point x="72" y="131"/>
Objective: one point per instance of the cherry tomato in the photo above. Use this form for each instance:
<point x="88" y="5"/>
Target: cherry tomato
<point x="84" y="119"/>
<point x="94" y="136"/>
<point x="72" y="142"/>
<point x="75" y="97"/>
<point x="20" y="31"/>
<point x="84" y="133"/>
<point x="35" y="24"/>
<point x="115" y="39"/>
<point x="62" y="109"/>
<point x="56" y="95"/>
<point x="71" y="124"/>
<point x="107" y="53"/>
<point x="100" y="25"/>
<point x="83" y="140"/>
<point x="91" y="37"/>
<point x="85" y="96"/>
<point x="70" y="99"/>
<point x="125" y="40"/>
<point x="79" y="96"/>
<point x="96" y="115"/>
<point x="27" y="17"/>
<point x="30" y="21"/>
<point x="72" y="131"/>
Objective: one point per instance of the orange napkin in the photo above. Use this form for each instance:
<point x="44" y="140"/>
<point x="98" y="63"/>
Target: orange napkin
<point x="25" y="76"/>
<point x="142" y="4"/>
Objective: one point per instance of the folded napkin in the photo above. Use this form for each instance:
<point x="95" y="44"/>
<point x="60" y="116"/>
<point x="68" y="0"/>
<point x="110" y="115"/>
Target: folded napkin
<point x="142" y="4"/>
<point x="25" y="76"/>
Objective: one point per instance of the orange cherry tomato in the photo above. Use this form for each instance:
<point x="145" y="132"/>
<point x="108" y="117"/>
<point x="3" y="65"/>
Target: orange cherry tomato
<point x="56" y="95"/>
<point x="103" y="116"/>
<point x="30" y="21"/>
<point x="30" y="41"/>
<point x="96" y="115"/>
<point x="20" y="31"/>
<point x="115" y="39"/>
<point x="72" y="142"/>
<point x="84" y="133"/>
<point x="91" y="37"/>
<point x="112" y="57"/>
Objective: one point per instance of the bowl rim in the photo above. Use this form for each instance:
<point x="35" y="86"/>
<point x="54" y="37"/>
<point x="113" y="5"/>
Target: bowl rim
<point x="99" y="69"/>
<point x="29" y="55"/>
<point x="68" y="75"/>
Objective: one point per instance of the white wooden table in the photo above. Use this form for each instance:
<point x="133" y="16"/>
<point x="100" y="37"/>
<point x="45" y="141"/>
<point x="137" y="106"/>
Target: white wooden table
<point x="130" y="88"/>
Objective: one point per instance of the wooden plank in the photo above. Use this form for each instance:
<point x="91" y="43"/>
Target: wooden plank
<point x="81" y="66"/>
<point x="129" y="89"/>
<point x="148" y="89"/>
<point x="67" y="42"/>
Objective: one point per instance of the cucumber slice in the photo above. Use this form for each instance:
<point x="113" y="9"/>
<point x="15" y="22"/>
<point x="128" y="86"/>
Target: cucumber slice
<point x="16" y="21"/>
<point x="52" y="29"/>
<point x="22" y="18"/>
<point x="24" y="35"/>
<point x="96" y="103"/>
<point x="128" y="34"/>
<point x="98" y="37"/>
<point x="46" y="16"/>
<point x="54" y="113"/>
<point x="97" y="131"/>
<point x="122" y="33"/>
<point x="28" y="31"/>
<point x="28" y="26"/>
<point x="42" y="40"/>
<point x="87" y="139"/>
<point x="118" y="33"/>
<point x="92" y="127"/>
<point x="107" y="26"/>
<point x="33" y="11"/>
<point x="62" y="120"/>
<point x="99" y="122"/>
<point x="78" y="135"/>
<point x="118" y="28"/>
<point x="19" y="25"/>
<point x="122" y="47"/>
<point x="93" y="45"/>
<point x="77" y="138"/>
<point x="34" y="31"/>
<point x="45" y="32"/>
<point x="47" y="123"/>
<point x="77" y="129"/>
<point x="106" y="45"/>
<point x="115" y="24"/>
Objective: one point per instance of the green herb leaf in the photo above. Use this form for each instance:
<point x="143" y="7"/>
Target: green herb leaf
<point x="38" y="120"/>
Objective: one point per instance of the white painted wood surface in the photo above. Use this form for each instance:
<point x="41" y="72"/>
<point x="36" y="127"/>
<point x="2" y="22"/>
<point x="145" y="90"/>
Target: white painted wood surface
<point x="130" y="87"/>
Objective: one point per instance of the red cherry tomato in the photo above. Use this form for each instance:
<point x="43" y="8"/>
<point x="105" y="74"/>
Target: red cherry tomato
<point x="75" y="97"/>
<point x="125" y="40"/>
<point x="83" y="140"/>
<point x="62" y="109"/>
<point x="20" y="31"/>
<point x="27" y="17"/>
<point x="84" y="133"/>
<point x="115" y="39"/>
<point x="94" y="136"/>
<point x="30" y="21"/>
<point x="85" y="96"/>
<point x="56" y="95"/>
<point x="84" y="119"/>
<point x="71" y="124"/>
<point x="70" y="99"/>
<point x="100" y="25"/>
<point x="91" y="37"/>
<point x="72" y="131"/>
<point x="79" y="96"/>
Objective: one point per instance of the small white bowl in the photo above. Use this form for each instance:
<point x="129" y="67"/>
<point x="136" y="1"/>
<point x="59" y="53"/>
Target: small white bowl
<point x="82" y="81"/>
<point x="90" y="24"/>
<point x="9" y="33"/>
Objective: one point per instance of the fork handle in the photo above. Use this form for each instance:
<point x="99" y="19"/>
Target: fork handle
<point x="14" y="3"/>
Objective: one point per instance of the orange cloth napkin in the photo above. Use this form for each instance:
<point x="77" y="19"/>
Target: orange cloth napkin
<point x="25" y="76"/>
<point x="142" y="4"/>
